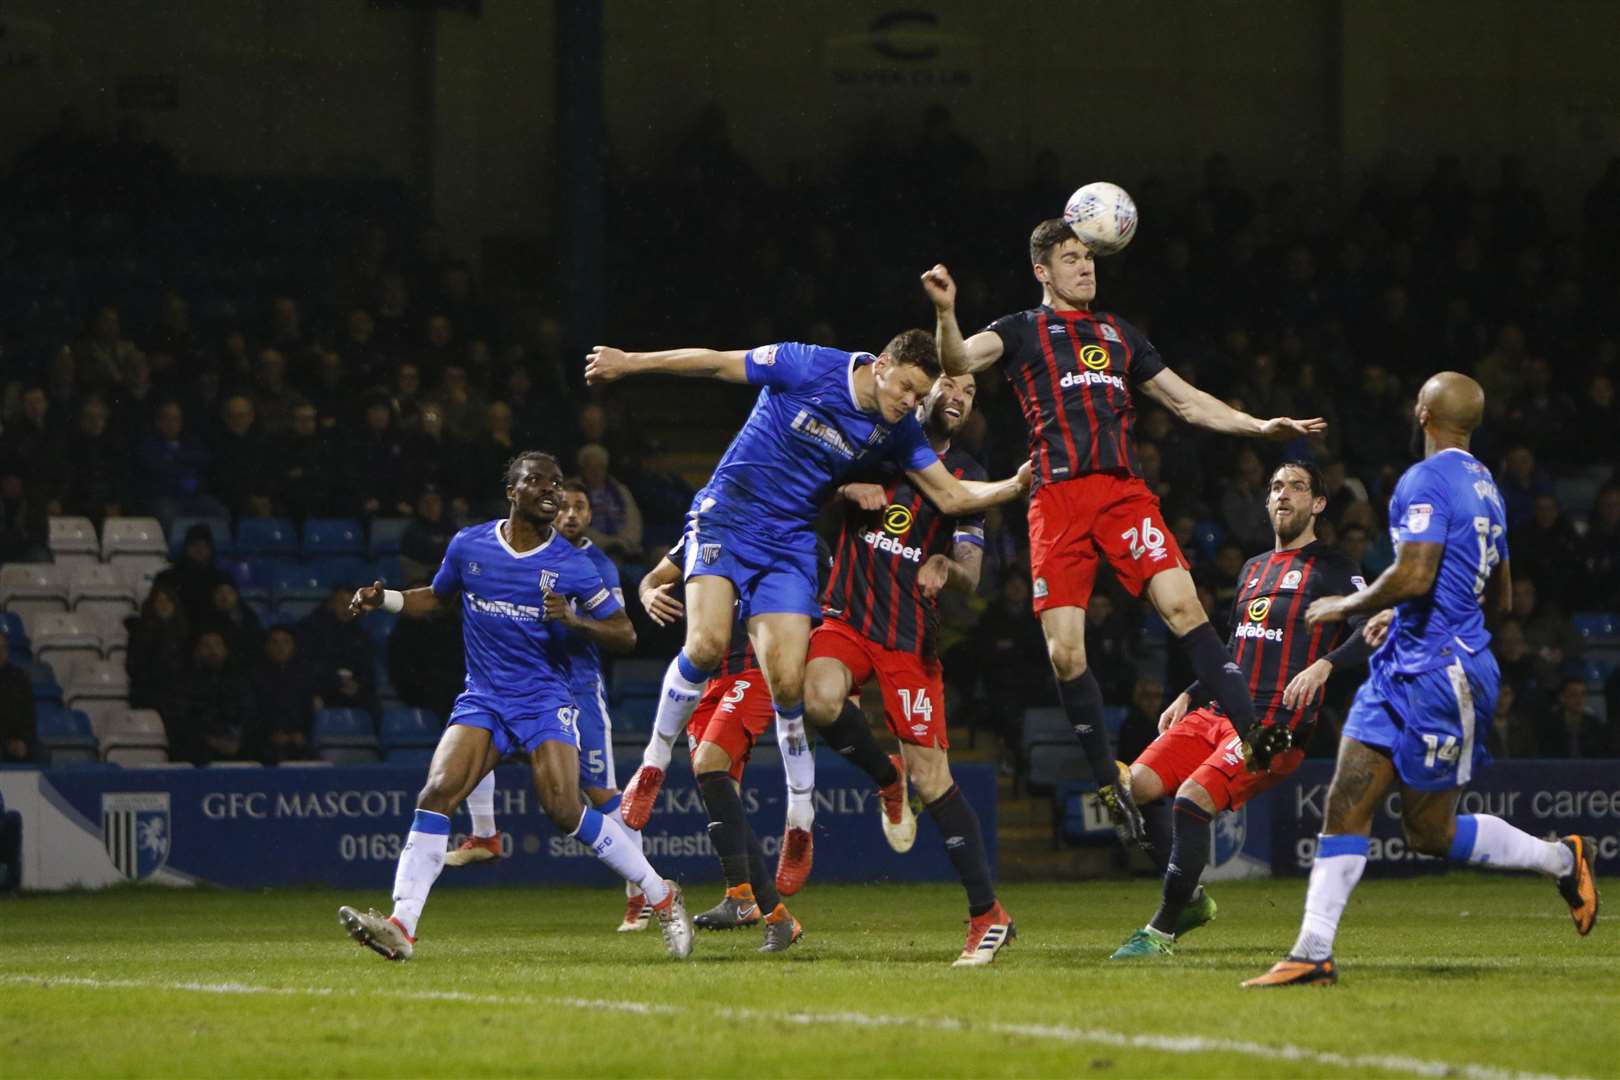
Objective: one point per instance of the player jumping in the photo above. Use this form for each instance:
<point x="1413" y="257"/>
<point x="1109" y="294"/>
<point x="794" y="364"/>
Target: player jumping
<point x="1198" y="758"/>
<point x="734" y="712"/>
<point x="1072" y="370"/>
<point x="596" y="776"/>
<point x="1431" y="687"/>
<point x="821" y="414"/>
<point x="520" y="588"/>
<point x="881" y="620"/>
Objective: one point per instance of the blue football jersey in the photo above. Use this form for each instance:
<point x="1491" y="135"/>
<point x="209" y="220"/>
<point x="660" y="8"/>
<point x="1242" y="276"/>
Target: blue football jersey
<point x="1447" y="499"/>
<point x="513" y="652"/>
<point x="804" y="435"/>
<point x="584" y="659"/>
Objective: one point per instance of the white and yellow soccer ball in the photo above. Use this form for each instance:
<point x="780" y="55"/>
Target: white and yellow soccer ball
<point x="1103" y="216"/>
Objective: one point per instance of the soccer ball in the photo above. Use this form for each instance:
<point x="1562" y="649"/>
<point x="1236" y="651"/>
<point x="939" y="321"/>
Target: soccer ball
<point x="1103" y="216"/>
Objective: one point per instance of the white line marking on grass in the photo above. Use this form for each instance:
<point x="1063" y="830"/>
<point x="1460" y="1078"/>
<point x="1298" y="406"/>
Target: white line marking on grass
<point x="1171" y="1044"/>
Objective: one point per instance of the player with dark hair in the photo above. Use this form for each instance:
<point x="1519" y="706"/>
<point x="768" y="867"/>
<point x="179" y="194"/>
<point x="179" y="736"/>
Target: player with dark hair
<point x="1431" y="687"/>
<point x="523" y="593"/>
<point x="734" y="712"/>
<point x="821" y="415"/>
<point x="1199" y="760"/>
<point x="895" y="553"/>
<point x="596" y="774"/>
<point x="1072" y="370"/>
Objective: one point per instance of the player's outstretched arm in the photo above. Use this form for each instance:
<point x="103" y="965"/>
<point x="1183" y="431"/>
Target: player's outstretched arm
<point x="605" y="364"/>
<point x="959" y="356"/>
<point x="654" y="591"/>
<point x="958" y="498"/>
<point x="412" y="602"/>
<point x="1411" y="576"/>
<point x="1207" y="411"/>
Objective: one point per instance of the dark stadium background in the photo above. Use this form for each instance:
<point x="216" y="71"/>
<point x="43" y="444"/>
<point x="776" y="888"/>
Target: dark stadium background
<point x="287" y="217"/>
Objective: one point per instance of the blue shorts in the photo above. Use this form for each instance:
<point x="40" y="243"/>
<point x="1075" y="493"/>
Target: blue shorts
<point x="595" y="738"/>
<point x="513" y="732"/>
<point x="769" y="575"/>
<point x="1433" y="725"/>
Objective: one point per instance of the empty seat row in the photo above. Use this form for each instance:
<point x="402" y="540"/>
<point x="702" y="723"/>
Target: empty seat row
<point x="273" y="536"/>
<point x="122" y="736"/>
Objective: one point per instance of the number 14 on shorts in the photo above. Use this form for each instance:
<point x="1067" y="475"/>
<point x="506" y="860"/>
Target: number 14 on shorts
<point x="918" y="709"/>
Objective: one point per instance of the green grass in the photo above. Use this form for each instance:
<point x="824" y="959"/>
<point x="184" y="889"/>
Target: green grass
<point x="1481" y="973"/>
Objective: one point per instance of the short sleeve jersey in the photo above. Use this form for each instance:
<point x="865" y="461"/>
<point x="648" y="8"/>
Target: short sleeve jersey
<point x="804" y="435"/>
<point x="873" y="585"/>
<point x="513" y="651"/>
<point x="1448" y="499"/>
<point x="584" y="659"/>
<point x="1073" y="373"/>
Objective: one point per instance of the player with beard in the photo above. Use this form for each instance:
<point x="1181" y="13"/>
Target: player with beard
<point x="1073" y="371"/>
<point x="880" y="615"/>
<point x="1198" y="759"/>
<point x="596" y="774"/>
<point x="523" y="593"/>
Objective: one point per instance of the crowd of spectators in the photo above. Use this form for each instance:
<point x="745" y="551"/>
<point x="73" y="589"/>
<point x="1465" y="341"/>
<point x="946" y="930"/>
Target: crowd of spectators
<point x="399" y="387"/>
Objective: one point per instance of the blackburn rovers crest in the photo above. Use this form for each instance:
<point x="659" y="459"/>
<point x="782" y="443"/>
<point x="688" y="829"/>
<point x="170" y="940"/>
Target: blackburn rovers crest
<point x="135" y="831"/>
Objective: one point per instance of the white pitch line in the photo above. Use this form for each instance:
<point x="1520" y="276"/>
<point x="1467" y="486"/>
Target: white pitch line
<point x="1171" y="1044"/>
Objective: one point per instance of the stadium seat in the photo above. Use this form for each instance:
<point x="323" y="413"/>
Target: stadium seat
<point x="42" y="677"/>
<point x="351" y="570"/>
<point x="267" y="536"/>
<point x="100" y="589"/>
<point x="218" y="528"/>
<point x="385" y="536"/>
<point x="1051" y="763"/>
<point x="132" y="536"/>
<point x="292" y="611"/>
<point x="32" y="589"/>
<point x="1113" y="720"/>
<point x="140" y="571"/>
<point x="403" y="726"/>
<point x="1598" y="627"/>
<point x="294" y="581"/>
<point x="73" y="542"/>
<point x="96" y="680"/>
<point x="1048" y="747"/>
<point x="633" y="713"/>
<point x="1208" y="537"/>
<point x="61" y="639"/>
<point x="635" y="678"/>
<point x="11" y="625"/>
<point x="114" y="637"/>
<point x="1045" y="724"/>
<point x="1575" y="493"/>
<point x="67" y="736"/>
<point x="135" y="737"/>
<point x="377" y="626"/>
<point x="414" y="757"/>
<point x="333" y="536"/>
<point x="345" y="737"/>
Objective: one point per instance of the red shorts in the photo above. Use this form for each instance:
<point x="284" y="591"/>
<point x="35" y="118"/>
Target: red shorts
<point x="1073" y="522"/>
<point x="913" y="686"/>
<point x="733" y="713"/>
<point x="1204" y="748"/>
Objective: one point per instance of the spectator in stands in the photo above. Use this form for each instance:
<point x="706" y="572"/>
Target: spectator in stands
<point x="273" y="396"/>
<point x="432" y="459"/>
<point x="392" y="314"/>
<point x="1141" y="719"/>
<point x="1552" y="637"/>
<point x="302" y="468"/>
<point x="234" y="621"/>
<point x="1512" y="734"/>
<point x="193" y="577"/>
<point x="426" y="660"/>
<point x="615" y="518"/>
<point x="1111" y="645"/>
<point x="1600" y="550"/>
<point x="375" y="463"/>
<point x="62" y="387"/>
<point x="367" y="364"/>
<point x="32" y="479"/>
<point x="339" y="653"/>
<point x="1353" y="541"/>
<point x="171" y="468"/>
<point x="486" y="457"/>
<point x="284" y="698"/>
<point x="159" y="652"/>
<point x="422" y="545"/>
<point x="440" y="348"/>
<point x="1521" y="668"/>
<point x="1006" y="656"/>
<point x="464" y="407"/>
<point x="96" y="465"/>
<point x="173" y="335"/>
<point x="1342" y="489"/>
<point x="1599" y="420"/>
<point x="1243" y="504"/>
<point x="1572" y="730"/>
<point x="1520" y="482"/>
<point x="405" y="392"/>
<point x="237" y="470"/>
<point x="287" y="327"/>
<point x="217" y="708"/>
<point x="330" y="388"/>
<point x="104" y="354"/>
<point x="17" y="709"/>
<point x="1547" y="544"/>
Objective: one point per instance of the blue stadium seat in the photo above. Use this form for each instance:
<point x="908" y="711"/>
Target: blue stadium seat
<point x="351" y="570"/>
<point x="345" y="737"/>
<point x="1114" y="720"/>
<point x="377" y="626"/>
<point x="403" y="726"/>
<point x="1050" y="764"/>
<point x="333" y="536"/>
<point x="218" y="527"/>
<point x="1598" y="627"/>
<point x="414" y="757"/>
<point x="66" y="735"/>
<point x="267" y="536"/>
<point x="1207" y="537"/>
<point x="386" y="534"/>
<point x="386" y="568"/>
<point x="292" y="611"/>
<point x="43" y="680"/>
<point x="11" y="625"/>
<point x="295" y="581"/>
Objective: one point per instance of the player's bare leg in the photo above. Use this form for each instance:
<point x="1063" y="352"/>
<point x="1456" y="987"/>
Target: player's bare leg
<point x="781" y="642"/>
<point x="464" y="755"/>
<point x="840" y="721"/>
<point x="1360" y="778"/>
<point x="990" y="928"/>
<point x="1431" y="824"/>
<point x="554" y="766"/>
<point x="711" y="604"/>
<point x="1081" y="696"/>
<point x="484" y="842"/>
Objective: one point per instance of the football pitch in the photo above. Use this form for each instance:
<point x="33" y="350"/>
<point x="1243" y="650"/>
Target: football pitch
<point x="1466" y="975"/>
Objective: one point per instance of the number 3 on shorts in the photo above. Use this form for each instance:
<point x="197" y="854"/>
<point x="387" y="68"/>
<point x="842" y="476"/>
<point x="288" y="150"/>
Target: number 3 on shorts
<point x="1144" y="540"/>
